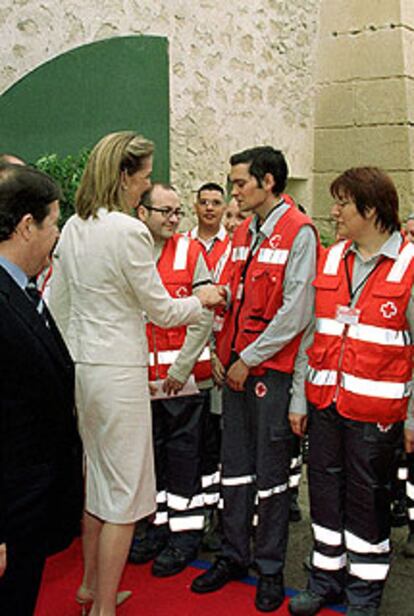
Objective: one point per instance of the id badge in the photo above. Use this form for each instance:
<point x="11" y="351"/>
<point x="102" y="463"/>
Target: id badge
<point x="347" y="315"/>
<point x="239" y="292"/>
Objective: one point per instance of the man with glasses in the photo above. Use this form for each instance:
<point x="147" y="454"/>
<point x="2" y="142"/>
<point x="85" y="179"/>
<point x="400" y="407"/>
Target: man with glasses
<point x="180" y="378"/>
<point x="210" y="232"/>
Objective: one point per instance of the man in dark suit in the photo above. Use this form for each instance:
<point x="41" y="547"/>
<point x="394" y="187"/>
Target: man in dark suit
<point x="40" y="454"/>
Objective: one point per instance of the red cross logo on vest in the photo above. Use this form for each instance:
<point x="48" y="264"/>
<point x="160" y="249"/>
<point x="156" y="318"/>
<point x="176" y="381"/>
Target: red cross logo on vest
<point x="260" y="390"/>
<point x="275" y="241"/>
<point x="388" y="310"/>
<point x="181" y="292"/>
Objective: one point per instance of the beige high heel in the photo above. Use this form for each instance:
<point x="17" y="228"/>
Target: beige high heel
<point x="85" y="597"/>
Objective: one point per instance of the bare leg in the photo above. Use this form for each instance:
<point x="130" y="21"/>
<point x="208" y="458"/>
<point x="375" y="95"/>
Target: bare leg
<point x="114" y="543"/>
<point x="92" y="528"/>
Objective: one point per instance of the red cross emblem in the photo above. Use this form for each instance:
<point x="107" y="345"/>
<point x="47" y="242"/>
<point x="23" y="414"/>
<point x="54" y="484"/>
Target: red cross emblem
<point x="260" y="390"/>
<point x="181" y="292"/>
<point x="275" y="241"/>
<point x="388" y="310"/>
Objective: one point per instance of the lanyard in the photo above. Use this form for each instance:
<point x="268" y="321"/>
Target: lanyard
<point x="353" y="292"/>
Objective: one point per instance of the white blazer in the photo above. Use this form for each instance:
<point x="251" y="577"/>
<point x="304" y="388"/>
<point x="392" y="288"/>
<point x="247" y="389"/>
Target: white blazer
<point x="104" y="280"/>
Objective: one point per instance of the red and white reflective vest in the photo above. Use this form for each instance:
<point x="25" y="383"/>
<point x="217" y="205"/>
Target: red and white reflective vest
<point x="364" y="367"/>
<point x="176" y="267"/>
<point x="256" y="300"/>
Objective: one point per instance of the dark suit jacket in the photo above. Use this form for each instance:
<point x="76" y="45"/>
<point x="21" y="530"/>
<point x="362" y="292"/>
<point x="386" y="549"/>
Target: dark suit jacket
<point x="40" y="454"/>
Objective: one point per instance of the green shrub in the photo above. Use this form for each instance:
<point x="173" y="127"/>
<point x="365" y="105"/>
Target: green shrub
<point x="67" y="171"/>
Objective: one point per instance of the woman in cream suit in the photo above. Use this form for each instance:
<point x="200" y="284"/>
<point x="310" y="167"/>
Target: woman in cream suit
<point x="105" y="280"/>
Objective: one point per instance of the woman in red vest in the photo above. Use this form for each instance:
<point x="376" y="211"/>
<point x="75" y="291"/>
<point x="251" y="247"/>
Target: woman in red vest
<point x="358" y="385"/>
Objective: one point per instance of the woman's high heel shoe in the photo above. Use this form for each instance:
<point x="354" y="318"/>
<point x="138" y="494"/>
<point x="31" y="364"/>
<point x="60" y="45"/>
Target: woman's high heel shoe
<point x="85" y="597"/>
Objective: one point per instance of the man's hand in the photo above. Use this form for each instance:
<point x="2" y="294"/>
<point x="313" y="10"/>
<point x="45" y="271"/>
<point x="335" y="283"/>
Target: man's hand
<point x="298" y="423"/>
<point x="3" y="558"/>
<point x="211" y="296"/>
<point x="409" y="440"/>
<point x="237" y="375"/>
<point x="219" y="373"/>
<point x="172" y="386"/>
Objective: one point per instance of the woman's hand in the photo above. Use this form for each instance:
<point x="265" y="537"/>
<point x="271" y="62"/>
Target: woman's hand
<point x="211" y="296"/>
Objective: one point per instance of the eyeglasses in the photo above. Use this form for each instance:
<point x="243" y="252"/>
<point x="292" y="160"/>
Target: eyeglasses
<point x="213" y="202"/>
<point x="166" y="212"/>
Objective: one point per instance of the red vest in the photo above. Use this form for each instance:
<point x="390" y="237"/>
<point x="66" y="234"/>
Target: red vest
<point x="365" y="367"/>
<point x="176" y="267"/>
<point x="255" y="303"/>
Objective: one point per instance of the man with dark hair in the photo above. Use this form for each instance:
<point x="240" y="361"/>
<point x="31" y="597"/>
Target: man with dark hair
<point x="40" y="457"/>
<point x="209" y="208"/>
<point x="180" y="377"/>
<point x="358" y="385"/>
<point x="273" y="265"/>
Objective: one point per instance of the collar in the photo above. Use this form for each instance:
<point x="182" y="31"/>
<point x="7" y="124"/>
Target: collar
<point x="390" y="248"/>
<point x="220" y="235"/>
<point x="270" y="221"/>
<point x="15" y="272"/>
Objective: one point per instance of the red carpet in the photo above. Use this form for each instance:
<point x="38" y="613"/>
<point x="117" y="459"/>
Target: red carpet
<point x="151" y="596"/>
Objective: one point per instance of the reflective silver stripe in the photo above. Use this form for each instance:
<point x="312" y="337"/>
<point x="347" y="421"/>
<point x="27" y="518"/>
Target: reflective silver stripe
<point x="377" y="389"/>
<point x="411" y="513"/>
<point x="221" y="263"/>
<point x="211" y="499"/>
<point x="402" y="474"/>
<point x="220" y="504"/>
<point x="181" y="253"/>
<point x="369" y="572"/>
<point x="218" y="323"/>
<point x="321" y="377"/>
<point x="380" y="335"/>
<point x="161" y="497"/>
<point x="334" y="258"/>
<point x="356" y="544"/>
<point x="238" y="481"/>
<point x="161" y="517"/>
<point x="240" y="253"/>
<point x="255" y="520"/>
<point x="327" y="535"/>
<point x="169" y="357"/>
<point x="330" y="327"/>
<point x="180" y="503"/>
<point x="271" y="491"/>
<point x="210" y="480"/>
<point x="401" y="264"/>
<point x="294" y="481"/>
<point x="365" y="333"/>
<point x="188" y="522"/>
<point x="329" y="563"/>
<point x="410" y="490"/>
<point x="278" y="256"/>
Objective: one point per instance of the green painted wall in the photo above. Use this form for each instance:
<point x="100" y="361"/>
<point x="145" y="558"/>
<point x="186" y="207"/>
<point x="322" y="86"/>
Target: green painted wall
<point x="73" y="100"/>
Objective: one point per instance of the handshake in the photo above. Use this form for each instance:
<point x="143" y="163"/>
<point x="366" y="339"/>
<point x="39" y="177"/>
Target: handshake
<point x="211" y="296"/>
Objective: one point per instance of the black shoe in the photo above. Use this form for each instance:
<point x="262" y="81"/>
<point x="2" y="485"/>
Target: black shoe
<point x="295" y="514"/>
<point x="361" y="611"/>
<point x="144" y="550"/>
<point x="270" y="593"/>
<point x="170" y="561"/>
<point x="306" y="603"/>
<point x="222" y="572"/>
<point x="408" y="550"/>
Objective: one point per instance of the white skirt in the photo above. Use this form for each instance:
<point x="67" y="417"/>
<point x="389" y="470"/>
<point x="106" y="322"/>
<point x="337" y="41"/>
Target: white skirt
<point x="115" y="425"/>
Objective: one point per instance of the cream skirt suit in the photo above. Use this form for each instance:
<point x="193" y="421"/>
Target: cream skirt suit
<point x="105" y="280"/>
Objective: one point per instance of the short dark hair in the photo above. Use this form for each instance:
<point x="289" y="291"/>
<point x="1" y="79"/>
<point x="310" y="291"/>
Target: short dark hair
<point x="370" y="187"/>
<point x="210" y="186"/>
<point x="146" y="199"/>
<point x="261" y="160"/>
<point x="24" y="190"/>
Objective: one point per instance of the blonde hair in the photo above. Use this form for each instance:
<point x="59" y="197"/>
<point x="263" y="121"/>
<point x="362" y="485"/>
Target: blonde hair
<point x="100" y="185"/>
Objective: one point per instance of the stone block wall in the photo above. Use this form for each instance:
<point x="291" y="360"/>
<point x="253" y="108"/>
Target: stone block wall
<point x="241" y="72"/>
<point x="365" y="93"/>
